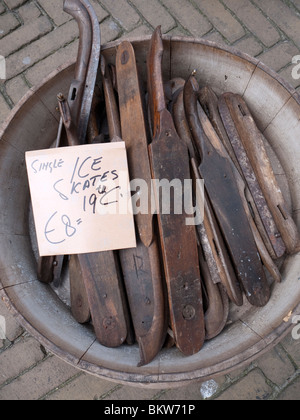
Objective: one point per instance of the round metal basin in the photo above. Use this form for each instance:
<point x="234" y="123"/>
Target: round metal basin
<point x="251" y="331"/>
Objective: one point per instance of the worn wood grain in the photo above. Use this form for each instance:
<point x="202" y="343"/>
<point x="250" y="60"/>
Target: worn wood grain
<point x="141" y="266"/>
<point x="252" y="140"/>
<point x="218" y="173"/>
<point x="170" y="161"/>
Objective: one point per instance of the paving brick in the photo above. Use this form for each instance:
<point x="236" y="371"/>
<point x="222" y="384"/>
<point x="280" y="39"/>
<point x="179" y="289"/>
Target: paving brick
<point x="110" y="31"/>
<point x="151" y="9"/>
<point x="131" y="393"/>
<point x="12" y="4"/>
<point x="276" y="366"/>
<point x="190" y="392"/>
<point x="296" y="3"/>
<point x="83" y="388"/>
<point x="215" y="36"/>
<point x="255" y="21"/>
<point x="100" y="12"/>
<point x="177" y="31"/>
<point x="279" y="56"/>
<point x="237" y="374"/>
<point x="252" y="387"/>
<point x="189" y="17"/>
<point x="249" y="45"/>
<point x="292" y="392"/>
<point x="28" y="12"/>
<point x="16" y="88"/>
<point x="43" y="47"/>
<point x="221" y="19"/>
<point x="4" y="109"/>
<point x="14" y="360"/>
<point x="8" y="23"/>
<point x="141" y="30"/>
<point x="39" y="381"/>
<point x="13" y="329"/>
<point x="292" y="347"/>
<point x="127" y="17"/>
<point x="44" y="67"/>
<point x="283" y="16"/>
<point x="59" y="17"/>
<point x="2" y="8"/>
<point x="24" y="35"/>
<point x="195" y="391"/>
<point x="55" y="11"/>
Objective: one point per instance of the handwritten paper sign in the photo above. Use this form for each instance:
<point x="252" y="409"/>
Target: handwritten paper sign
<point x="81" y="199"/>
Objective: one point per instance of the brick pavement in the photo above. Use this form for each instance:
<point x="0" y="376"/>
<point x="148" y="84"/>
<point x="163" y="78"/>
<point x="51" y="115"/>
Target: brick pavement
<point x="35" y="38"/>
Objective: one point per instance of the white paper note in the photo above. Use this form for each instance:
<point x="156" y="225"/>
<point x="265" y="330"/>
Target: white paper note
<point x="81" y="199"/>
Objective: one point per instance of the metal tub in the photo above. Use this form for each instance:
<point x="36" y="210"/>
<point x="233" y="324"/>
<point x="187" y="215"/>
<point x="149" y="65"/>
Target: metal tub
<point x="252" y="331"/>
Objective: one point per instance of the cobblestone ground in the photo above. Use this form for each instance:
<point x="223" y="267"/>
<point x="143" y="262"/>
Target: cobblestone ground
<point x="35" y="38"/>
